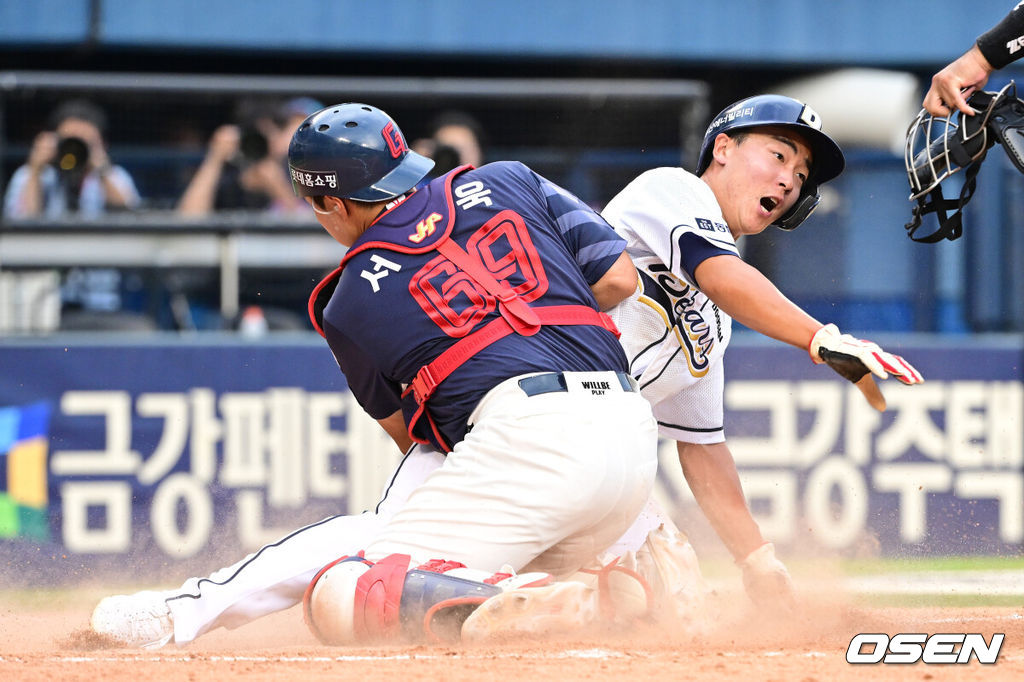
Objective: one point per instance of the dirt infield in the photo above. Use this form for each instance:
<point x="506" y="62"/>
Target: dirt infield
<point x="45" y="641"/>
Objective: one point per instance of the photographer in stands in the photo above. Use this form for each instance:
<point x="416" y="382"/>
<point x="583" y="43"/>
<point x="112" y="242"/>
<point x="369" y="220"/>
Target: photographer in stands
<point x="244" y="167"/>
<point x="68" y="169"/>
<point x="456" y="138"/>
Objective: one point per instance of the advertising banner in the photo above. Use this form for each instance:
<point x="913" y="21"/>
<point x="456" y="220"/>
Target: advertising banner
<point x="175" y="456"/>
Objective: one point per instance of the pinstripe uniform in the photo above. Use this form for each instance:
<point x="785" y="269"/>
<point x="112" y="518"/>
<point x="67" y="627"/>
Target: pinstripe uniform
<point x="673" y="335"/>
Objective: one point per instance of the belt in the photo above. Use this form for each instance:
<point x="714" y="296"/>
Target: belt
<point x="554" y="382"/>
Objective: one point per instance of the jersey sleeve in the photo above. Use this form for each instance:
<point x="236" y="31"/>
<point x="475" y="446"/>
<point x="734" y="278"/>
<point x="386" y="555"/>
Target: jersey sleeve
<point x="1001" y="44"/>
<point x="588" y="236"/>
<point x="666" y="213"/>
<point x="376" y="394"/>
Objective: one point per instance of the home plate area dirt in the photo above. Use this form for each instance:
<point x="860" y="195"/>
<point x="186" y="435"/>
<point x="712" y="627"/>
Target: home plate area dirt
<point x="50" y="641"/>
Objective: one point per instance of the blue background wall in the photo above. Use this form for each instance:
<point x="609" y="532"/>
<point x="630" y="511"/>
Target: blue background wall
<point x="738" y="31"/>
<point x="169" y="456"/>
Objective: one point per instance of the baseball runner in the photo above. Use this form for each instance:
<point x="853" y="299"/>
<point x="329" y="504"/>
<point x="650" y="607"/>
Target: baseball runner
<point x="761" y="163"/>
<point x="674" y="337"/>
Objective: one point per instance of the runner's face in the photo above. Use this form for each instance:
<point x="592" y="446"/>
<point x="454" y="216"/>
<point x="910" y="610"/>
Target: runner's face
<point x="763" y="173"/>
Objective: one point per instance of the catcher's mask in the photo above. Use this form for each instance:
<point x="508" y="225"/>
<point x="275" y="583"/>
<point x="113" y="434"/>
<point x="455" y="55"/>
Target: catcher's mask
<point x="938" y="147"/>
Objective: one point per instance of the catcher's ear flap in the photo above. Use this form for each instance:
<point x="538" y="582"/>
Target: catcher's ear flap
<point x="1008" y="122"/>
<point x="1013" y="143"/>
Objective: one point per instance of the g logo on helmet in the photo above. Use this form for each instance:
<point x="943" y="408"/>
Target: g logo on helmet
<point x="393" y="137"/>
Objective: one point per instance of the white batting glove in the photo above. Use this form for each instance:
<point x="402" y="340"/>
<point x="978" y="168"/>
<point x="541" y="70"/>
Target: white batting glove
<point x="767" y="581"/>
<point x="852" y="358"/>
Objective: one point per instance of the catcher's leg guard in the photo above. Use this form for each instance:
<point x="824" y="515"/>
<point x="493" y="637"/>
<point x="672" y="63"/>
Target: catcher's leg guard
<point x="355" y="600"/>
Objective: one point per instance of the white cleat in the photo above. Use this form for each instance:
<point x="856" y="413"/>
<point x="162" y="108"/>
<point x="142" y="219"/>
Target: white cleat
<point x="140" y="620"/>
<point x="531" y="611"/>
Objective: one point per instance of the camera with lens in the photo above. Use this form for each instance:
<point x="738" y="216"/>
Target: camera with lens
<point x="445" y="159"/>
<point x="253" y="146"/>
<point x="72" y="156"/>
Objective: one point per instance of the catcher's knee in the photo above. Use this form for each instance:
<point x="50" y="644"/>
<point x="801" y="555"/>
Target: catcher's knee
<point x="354" y="600"/>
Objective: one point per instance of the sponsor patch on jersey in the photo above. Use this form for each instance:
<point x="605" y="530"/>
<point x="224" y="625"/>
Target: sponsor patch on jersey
<point x="711" y="226"/>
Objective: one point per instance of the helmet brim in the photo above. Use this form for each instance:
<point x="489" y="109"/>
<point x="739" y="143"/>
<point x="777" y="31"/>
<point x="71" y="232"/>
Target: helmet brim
<point x="828" y="162"/>
<point x="414" y="167"/>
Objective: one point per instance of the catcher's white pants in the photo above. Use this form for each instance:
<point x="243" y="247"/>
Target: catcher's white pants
<point x="541" y="482"/>
<point x="275" y="577"/>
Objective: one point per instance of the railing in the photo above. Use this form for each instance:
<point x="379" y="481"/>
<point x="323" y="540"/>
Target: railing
<point x="226" y="241"/>
<point x="565" y="117"/>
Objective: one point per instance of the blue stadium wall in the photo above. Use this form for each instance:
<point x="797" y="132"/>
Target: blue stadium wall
<point x="737" y="31"/>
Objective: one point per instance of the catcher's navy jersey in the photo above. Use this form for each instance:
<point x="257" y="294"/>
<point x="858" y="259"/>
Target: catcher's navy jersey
<point x="398" y="303"/>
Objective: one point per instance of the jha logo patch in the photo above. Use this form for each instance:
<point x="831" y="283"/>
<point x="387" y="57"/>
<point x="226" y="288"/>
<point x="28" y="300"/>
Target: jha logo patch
<point x="425" y="228"/>
<point x="942" y="648"/>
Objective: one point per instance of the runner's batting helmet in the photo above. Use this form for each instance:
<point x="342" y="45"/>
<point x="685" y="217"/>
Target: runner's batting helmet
<point x="353" y="151"/>
<point x="777" y="110"/>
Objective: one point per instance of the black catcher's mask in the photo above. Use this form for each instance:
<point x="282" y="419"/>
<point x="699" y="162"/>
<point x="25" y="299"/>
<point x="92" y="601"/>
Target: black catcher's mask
<point x="937" y="148"/>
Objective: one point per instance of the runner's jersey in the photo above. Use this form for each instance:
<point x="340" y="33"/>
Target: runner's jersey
<point x="672" y="333"/>
<point x="393" y="310"/>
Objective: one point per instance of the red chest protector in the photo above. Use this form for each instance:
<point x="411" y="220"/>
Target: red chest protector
<point x="516" y="315"/>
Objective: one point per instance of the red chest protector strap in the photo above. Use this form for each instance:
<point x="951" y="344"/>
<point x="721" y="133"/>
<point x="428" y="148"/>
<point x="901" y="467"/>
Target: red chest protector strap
<point x="516" y="316"/>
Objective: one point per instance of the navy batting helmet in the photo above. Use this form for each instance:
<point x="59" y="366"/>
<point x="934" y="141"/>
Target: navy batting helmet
<point x="777" y="110"/>
<point x="353" y="151"/>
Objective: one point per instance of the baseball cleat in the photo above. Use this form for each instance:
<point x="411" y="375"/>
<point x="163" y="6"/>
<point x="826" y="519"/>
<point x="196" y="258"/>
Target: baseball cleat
<point x="532" y="611"/>
<point x="140" y="620"/>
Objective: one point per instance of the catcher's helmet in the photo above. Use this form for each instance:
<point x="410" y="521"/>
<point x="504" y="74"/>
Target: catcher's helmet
<point x="777" y="110"/>
<point x="353" y="151"/>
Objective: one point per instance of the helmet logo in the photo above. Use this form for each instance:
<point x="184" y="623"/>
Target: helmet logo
<point x="810" y="117"/>
<point x="393" y="137"/>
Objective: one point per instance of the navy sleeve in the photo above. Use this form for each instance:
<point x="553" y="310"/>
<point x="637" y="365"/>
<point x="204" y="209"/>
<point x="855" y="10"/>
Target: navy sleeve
<point x="375" y="393"/>
<point x="694" y="250"/>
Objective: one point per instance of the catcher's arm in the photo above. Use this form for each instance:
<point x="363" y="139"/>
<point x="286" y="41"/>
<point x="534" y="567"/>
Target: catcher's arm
<point x="616" y="284"/>
<point x="395" y="427"/>
<point x="752" y="300"/>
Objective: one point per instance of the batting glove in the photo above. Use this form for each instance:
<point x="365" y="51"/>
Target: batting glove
<point x="767" y="581"/>
<point x="852" y="358"/>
